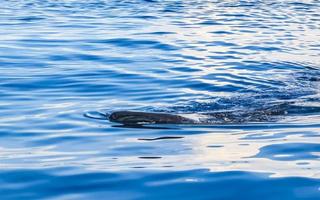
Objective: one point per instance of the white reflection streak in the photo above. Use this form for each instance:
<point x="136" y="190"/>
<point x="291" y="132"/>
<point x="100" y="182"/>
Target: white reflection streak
<point x="234" y="157"/>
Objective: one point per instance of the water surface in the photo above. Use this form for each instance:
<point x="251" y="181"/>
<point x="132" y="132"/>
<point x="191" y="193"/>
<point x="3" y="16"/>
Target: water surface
<point x="62" y="59"/>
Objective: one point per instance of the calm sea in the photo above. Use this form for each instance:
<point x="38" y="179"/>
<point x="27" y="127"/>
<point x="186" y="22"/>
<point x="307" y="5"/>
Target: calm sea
<point x="61" y="60"/>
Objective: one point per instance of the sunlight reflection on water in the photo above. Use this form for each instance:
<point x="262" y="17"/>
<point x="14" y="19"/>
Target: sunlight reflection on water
<point x="60" y="60"/>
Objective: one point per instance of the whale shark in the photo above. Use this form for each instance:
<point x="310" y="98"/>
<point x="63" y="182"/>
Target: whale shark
<point x="128" y="117"/>
<point x="299" y="95"/>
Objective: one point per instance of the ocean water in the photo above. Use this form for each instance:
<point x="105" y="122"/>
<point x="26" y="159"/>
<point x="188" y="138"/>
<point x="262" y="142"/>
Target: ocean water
<point x="63" y="60"/>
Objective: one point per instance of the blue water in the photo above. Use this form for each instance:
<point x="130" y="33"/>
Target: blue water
<point x="63" y="59"/>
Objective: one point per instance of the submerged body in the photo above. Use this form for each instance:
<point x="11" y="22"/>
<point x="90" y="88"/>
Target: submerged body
<point x="137" y="117"/>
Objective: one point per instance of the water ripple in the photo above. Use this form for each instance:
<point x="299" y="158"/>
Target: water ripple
<point x="63" y="60"/>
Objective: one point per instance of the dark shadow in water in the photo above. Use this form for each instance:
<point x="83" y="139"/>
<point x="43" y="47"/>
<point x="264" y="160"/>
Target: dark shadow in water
<point x="142" y="126"/>
<point x="245" y="126"/>
<point x="161" y="138"/>
<point x="150" y="157"/>
<point x="215" y="146"/>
